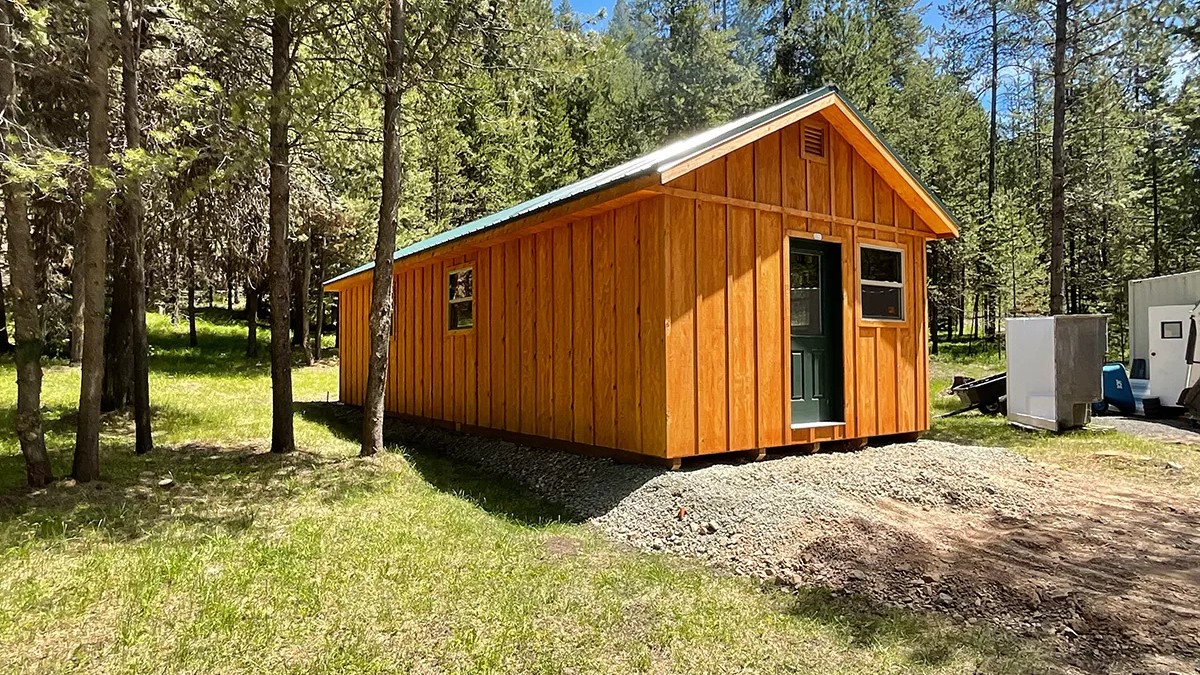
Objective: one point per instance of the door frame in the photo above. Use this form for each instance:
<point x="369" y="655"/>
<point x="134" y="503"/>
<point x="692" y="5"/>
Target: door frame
<point x="838" y="375"/>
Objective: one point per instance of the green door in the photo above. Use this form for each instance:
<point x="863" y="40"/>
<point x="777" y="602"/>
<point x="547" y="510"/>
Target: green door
<point x="816" y="332"/>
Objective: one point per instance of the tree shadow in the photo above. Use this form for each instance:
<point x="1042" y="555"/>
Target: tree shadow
<point x="862" y="623"/>
<point x="210" y="489"/>
<point x="431" y="453"/>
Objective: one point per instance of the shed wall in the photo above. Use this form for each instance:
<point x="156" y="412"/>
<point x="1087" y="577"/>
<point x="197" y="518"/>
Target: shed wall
<point x="728" y="226"/>
<point x="567" y="341"/>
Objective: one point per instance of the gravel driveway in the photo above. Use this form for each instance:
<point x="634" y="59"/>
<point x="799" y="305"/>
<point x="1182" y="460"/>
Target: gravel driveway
<point x="1106" y="576"/>
<point x="1165" y="431"/>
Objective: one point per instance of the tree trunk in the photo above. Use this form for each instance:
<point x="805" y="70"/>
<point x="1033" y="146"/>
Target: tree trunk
<point x="118" y="352"/>
<point x="192" y="341"/>
<point x="5" y="344"/>
<point x="320" y="300"/>
<point x="1154" y="206"/>
<point x="23" y="275"/>
<point x="86" y="465"/>
<point x="77" y="294"/>
<point x="135" y="234"/>
<point x="175" y="309"/>
<point x="229" y="283"/>
<point x="282" y="437"/>
<point x="992" y="126"/>
<point x="251" y="320"/>
<point x="1058" y="190"/>
<point x="304" y="281"/>
<point x="382" y="307"/>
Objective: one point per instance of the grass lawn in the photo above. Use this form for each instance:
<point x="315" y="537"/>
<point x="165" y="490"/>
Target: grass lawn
<point x="322" y="562"/>
<point x="1074" y="450"/>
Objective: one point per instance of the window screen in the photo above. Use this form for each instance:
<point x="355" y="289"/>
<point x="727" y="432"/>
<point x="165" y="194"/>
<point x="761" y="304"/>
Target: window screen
<point x="460" y="297"/>
<point x="881" y="278"/>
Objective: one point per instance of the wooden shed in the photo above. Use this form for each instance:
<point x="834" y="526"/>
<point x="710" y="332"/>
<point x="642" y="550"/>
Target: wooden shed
<point x="758" y="285"/>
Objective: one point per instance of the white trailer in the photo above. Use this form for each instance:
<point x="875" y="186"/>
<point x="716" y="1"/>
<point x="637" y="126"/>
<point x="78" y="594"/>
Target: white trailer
<point x="1160" y="315"/>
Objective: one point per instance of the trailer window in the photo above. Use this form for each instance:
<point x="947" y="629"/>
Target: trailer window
<point x="1172" y="330"/>
<point x="460" y="298"/>
<point x="881" y="278"/>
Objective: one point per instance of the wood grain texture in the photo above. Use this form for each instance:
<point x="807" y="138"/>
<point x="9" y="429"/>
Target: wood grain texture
<point x="628" y="381"/>
<point x="564" y="296"/>
<point x="543" y="305"/>
<point x="712" y="394"/>
<point x="582" y="430"/>
<point x="740" y="340"/>
<point x="795" y="177"/>
<point x="528" y="312"/>
<point x="768" y="172"/>
<point x="885" y="379"/>
<point x="681" y="327"/>
<point x="867" y="414"/>
<point x="739" y="173"/>
<point x="652" y="287"/>
<point x="605" y="326"/>
<point x="497" y="283"/>
<point x="771" y="333"/>
<point x="513" y="329"/>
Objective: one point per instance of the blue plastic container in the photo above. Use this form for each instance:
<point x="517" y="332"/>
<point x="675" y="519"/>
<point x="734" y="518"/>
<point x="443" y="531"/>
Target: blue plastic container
<point x="1117" y="392"/>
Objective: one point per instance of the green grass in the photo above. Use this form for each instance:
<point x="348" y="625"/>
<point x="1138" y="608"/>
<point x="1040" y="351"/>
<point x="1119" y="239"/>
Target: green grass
<point x="1075" y="450"/>
<point x="407" y="562"/>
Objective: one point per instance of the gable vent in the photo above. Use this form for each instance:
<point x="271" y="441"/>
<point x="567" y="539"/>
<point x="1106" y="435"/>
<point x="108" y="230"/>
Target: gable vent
<point x="813" y="141"/>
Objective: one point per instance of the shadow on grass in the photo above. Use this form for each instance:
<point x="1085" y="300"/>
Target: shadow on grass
<point x="862" y="623"/>
<point x="213" y="489"/>
<point x="426" y="450"/>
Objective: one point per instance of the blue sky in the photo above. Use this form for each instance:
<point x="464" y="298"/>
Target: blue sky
<point x="930" y="12"/>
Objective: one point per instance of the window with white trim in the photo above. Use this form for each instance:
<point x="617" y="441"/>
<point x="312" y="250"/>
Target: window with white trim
<point x="881" y="279"/>
<point x="460" y="298"/>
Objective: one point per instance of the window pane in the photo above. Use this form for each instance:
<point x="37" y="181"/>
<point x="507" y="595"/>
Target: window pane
<point x="882" y="302"/>
<point x="460" y="315"/>
<point x="461" y="284"/>
<point x="880" y="265"/>
<point x="806" y="293"/>
<point x="1172" y="330"/>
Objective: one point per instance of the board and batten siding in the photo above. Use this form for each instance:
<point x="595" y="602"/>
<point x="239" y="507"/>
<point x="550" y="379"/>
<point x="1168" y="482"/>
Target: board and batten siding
<point x="728" y="224"/>
<point x="659" y="325"/>
<point x="567" y="342"/>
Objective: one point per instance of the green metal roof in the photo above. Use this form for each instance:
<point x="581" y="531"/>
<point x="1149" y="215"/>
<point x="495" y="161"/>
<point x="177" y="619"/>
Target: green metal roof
<point x="654" y="163"/>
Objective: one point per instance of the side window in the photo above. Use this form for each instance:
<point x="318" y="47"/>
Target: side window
<point x="1171" y="330"/>
<point x="460" y="298"/>
<point x="881" y="277"/>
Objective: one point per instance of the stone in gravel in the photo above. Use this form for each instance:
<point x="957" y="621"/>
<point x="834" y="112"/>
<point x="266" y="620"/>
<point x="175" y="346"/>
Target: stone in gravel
<point x="166" y="483"/>
<point x="1174" y="466"/>
<point x="945" y="598"/>
<point x="711" y="527"/>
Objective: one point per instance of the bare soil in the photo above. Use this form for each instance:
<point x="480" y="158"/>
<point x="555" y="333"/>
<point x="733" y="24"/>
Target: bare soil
<point x="1105" y="576"/>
